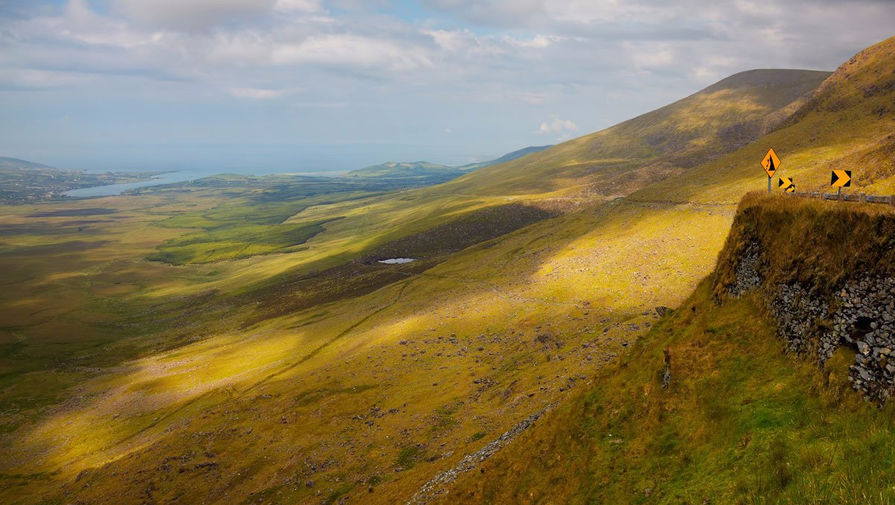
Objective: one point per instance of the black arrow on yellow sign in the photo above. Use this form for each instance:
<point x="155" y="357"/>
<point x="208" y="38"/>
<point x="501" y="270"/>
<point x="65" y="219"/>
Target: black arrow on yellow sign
<point x="786" y="184"/>
<point x="840" y="179"/>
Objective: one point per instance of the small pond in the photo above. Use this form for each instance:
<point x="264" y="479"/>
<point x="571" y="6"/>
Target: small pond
<point x="397" y="261"/>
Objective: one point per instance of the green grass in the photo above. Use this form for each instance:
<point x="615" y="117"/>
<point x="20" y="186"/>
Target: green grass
<point x="409" y="456"/>
<point x="741" y="423"/>
<point x="235" y="241"/>
<point x="865" y="235"/>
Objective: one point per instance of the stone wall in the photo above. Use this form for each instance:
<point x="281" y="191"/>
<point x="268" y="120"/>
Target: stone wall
<point x="859" y="315"/>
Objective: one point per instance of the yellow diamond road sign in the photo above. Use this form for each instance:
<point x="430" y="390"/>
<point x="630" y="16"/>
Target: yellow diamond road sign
<point x="770" y="162"/>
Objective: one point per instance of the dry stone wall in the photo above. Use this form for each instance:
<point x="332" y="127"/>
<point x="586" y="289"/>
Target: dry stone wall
<point x="860" y="315"/>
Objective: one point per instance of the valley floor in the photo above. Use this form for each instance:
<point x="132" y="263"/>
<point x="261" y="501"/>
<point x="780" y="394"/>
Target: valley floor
<point x="368" y="396"/>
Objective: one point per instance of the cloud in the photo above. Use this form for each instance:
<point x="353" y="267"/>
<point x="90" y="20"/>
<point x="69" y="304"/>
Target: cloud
<point x="536" y="42"/>
<point x="374" y="70"/>
<point x="31" y="79"/>
<point x="493" y="12"/>
<point x="197" y="14"/>
<point x="257" y="93"/>
<point x="353" y="50"/>
<point x="557" y="125"/>
<point x="650" y="54"/>
<point x="298" y="6"/>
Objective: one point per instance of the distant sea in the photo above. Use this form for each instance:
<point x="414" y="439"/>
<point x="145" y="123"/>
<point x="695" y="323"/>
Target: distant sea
<point x="187" y="163"/>
<point x="170" y="177"/>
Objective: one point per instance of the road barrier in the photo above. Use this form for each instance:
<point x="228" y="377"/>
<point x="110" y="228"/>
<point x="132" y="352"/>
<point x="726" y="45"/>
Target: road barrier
<point x="848" y="197"/>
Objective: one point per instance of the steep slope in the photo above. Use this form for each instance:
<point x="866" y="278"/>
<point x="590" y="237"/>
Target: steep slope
<point x="847" y="124"/>
<point x="620" y="159"/>
<point x="746" y="423"/>
<point x="708" y="408"/>
<point x="566" y="177"/>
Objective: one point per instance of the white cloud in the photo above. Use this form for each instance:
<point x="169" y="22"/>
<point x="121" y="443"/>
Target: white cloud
<point x="242" y="48"/>
<point x="497" y="12"/>
<point x="650" y="55"/>
<point x="193" y="14"/>
<point x="533" y="97"/>
<point x="490" y="68"/>
<point x="557" y="125"/>
<point x="77" y="22"/>
<point x="298" y="6"/>
<point x="41" y="79"/>
<point x="257" y="93"/>
<point x="536" y="42"/>
<point x="598" y="11"/>
<point x="453" y="40"/>
<point x="352" y="50"/>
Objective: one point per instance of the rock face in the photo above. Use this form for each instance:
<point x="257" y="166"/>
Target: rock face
<point x="860" y="315"/>
<point x="747" y="275"/>
<point x="827" y="274"/>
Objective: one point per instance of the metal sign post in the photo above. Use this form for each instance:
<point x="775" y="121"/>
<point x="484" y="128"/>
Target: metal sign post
<point x="770" y="163"/>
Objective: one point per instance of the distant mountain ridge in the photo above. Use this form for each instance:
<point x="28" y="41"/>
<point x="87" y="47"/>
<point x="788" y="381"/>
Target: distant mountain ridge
<point x="7" y="163"/>
<point x="506" y="157"/>
<point x="403" y="169"/>
<point x="653" y="146"/>
<point x="427" y="170"/>
<point x="23" y="181"/>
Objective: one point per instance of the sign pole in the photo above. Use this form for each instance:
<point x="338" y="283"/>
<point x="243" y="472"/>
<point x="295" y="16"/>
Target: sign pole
<point x="769" y="184"/>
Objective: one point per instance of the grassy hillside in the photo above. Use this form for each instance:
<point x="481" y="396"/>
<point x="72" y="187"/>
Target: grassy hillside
<point x="847" y="124"/>
<point x="402" y="382"/>
<point x="656" y="145"/>
<point x="218" y="382"/>
<point x="582" y="172"/>
<point x="741" y="421"/>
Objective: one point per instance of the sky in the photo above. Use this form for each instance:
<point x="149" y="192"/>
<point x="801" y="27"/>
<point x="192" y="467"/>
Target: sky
<point x="319" y="85"/>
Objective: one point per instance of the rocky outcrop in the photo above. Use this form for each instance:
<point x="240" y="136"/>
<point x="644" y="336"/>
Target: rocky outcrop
<point x="747" y="275"/>
<point x="826" y="272"/>
<point x="860" y="316"/>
